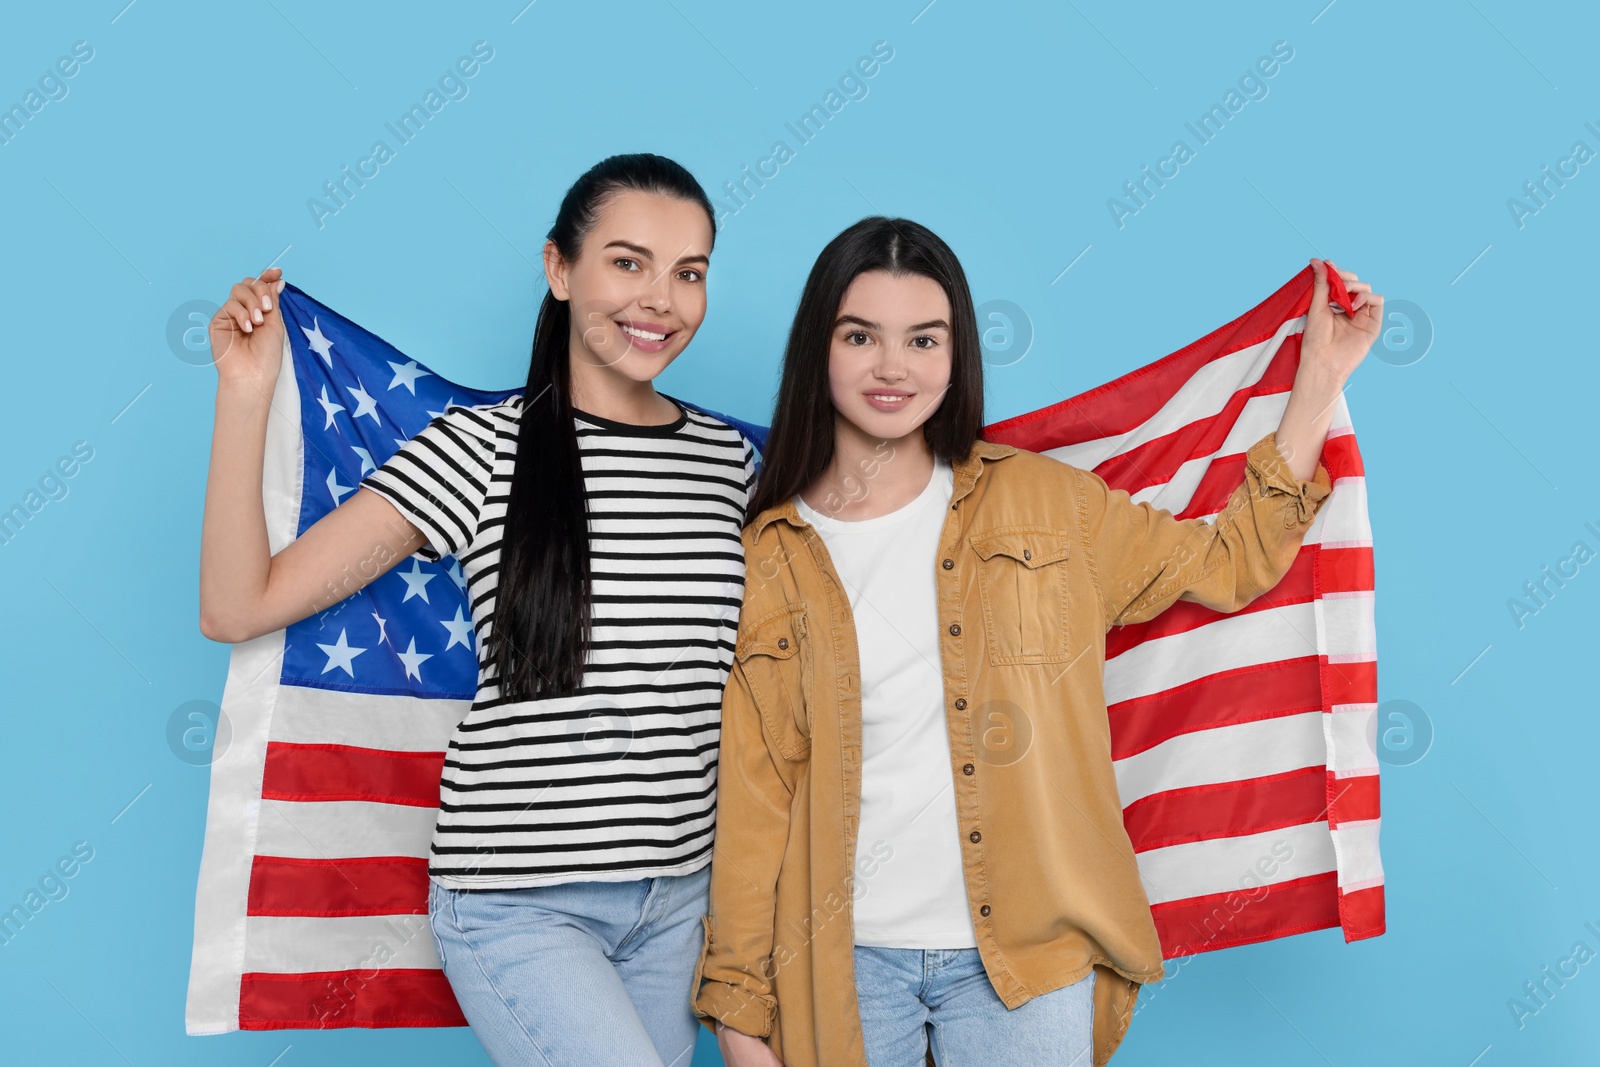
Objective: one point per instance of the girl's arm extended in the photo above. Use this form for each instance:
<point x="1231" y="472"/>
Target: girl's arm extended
<point x="1149" y="559"/>
<point x="1331" y="347"/>
<point x="245" y="591"/>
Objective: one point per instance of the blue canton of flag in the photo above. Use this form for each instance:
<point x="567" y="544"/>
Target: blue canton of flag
<point x="409" y="632"/>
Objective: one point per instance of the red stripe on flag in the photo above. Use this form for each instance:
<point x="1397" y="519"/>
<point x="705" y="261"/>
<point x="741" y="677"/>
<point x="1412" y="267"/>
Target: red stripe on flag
<point x="1342" y="457"/>
<point x="1156" y="462"/>
<point x="1122" y="405"/>
<point x="1345" y="570"/>
<point x="365" y="885"/>
<point x="1296" y="587"/>
<point x="1217" y="486"/>
<point x="1244" y="916"/>
<point x="1339" y="457"/>
<point x="344" y="772"/>
<point x="1354" y="798"/>
<point x="1338" y="570"/>
<point x="365" y="997"/>
<point x="1227" y="809"/>
<point x="1248" y="694"/>
<point x="1362" y="912"/>
<point x="1351" y="682"/>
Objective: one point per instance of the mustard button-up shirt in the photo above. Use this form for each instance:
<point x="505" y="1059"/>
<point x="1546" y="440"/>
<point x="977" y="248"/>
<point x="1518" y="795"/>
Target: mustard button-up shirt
<point x="1037" y="559"/>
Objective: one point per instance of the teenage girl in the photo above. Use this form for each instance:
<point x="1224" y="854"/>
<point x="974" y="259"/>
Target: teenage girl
<point x="919" y="836"/>
<point x="597" y="522"/>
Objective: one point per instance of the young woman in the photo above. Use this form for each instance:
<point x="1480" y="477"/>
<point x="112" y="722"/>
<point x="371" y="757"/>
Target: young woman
<point x="882" y="866"/>
<point x="598" y="525"/>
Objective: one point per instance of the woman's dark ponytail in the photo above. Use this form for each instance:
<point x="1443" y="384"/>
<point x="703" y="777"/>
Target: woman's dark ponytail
<point x="539" y="642"/>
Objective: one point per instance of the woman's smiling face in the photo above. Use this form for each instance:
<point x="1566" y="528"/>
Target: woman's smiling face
<point x="637" y="290"/>
<point x="889" y="355"/>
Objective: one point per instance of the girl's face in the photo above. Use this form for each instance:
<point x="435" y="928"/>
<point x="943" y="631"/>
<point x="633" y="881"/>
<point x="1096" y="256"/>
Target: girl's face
<point x="637" y="290"/>
<point x="889" y="359"/>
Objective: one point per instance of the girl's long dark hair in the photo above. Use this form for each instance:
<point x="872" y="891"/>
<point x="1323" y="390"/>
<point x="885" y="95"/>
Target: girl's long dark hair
<point x="800" y="443"/>
<point x="540" y="639"/>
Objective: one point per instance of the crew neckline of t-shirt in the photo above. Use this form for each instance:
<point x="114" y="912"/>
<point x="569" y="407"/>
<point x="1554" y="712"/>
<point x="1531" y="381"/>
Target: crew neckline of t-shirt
<point x="665" y="429"/>
<point x="940" y="482"/>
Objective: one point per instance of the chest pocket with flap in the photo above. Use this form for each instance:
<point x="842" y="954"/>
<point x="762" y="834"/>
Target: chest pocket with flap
<point x="775" y="654"/>
<point x="1022" y="581"/>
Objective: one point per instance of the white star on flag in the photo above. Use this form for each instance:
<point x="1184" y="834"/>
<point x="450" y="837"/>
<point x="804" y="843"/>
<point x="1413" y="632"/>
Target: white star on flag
<point x="416" y="580"/>
<point x="413" y="660"/>
<point x="341" y="655"/>
<point x="336" y="489"/>
<point x="319" y="344"/>
<point x="407" y="375"/>
<point x="330" y="407"/>
<point x="365" y="404"/>
<point x="460" y="630"/>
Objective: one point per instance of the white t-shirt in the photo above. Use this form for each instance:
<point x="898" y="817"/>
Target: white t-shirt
<point x="915" y="896"/>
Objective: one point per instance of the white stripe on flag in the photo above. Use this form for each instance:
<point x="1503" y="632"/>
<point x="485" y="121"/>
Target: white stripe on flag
<point x="1361" y="865"/>
<point x="1230" y="864"/>
<point x="1259" y="417"/>
<point x="336" y="829"/>
<point x="280" y="944"/>
<point x="1342" y="522"/>
<point x="1225" y="643"/>
<point x="1347" y="621"/>
<point x="1224" y="754"/>
<point x="247" y="700"/>
<point x="392" y="723"/>
<point x="1199" y="398"/>
<point x="1353" y="734"/>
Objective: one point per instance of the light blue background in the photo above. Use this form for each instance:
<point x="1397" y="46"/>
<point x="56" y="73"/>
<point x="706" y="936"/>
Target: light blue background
<point x="185" y="152"/>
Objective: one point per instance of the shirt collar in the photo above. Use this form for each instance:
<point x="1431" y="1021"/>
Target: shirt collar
<point x="965" y="474"/>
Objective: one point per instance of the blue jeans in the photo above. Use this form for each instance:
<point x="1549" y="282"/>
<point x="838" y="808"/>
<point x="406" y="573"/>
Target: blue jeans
<point x="902" y="991"/>
<point x="580" y="973"/>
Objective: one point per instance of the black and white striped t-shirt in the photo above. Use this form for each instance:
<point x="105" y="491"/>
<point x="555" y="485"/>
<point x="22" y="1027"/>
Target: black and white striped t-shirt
<point x="618" y="780"/>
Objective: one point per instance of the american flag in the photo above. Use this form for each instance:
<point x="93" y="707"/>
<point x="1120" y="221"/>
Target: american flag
<point x="1244" y="744"/>
<point x="1241" y="742"/>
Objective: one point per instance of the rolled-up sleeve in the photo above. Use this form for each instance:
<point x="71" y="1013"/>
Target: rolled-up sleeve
<point x="733" y="979"/>
<point x="1149" y="559"/>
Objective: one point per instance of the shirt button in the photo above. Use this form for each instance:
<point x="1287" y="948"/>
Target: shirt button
<point x="984" y="911"/>
<point x="1026" y="554"/>
<point x="961" y="703"/>
<point x="955" y="629"/>
<point x="967" y="768"/>
<point x="783" y="642"/>
<point x="975" y="837"/>
<point x="949" y="563"/>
